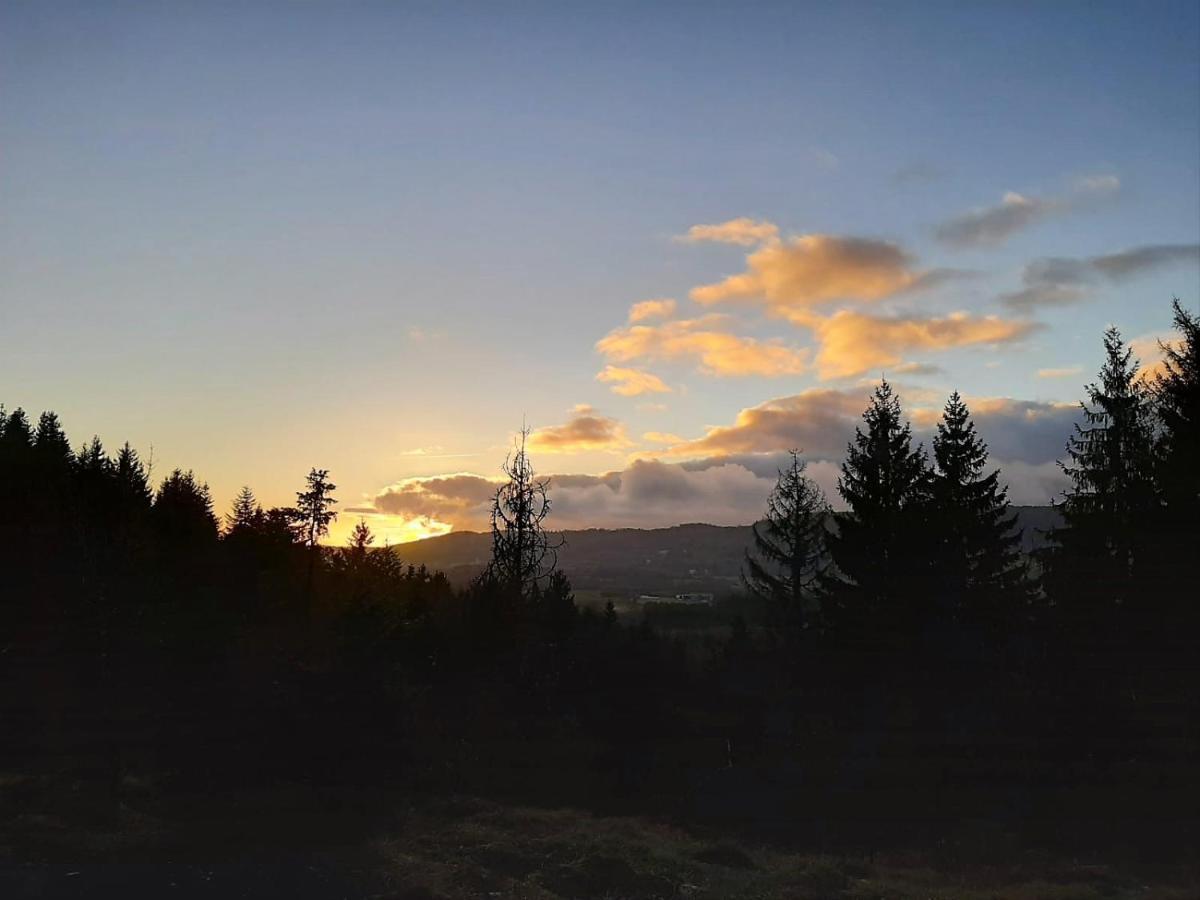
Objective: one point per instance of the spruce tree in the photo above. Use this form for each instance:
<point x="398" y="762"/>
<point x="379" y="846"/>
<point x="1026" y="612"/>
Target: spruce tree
<point x="978" y="562"/>
<point x="784" y="570"/>
<point x="312" y="515"/>
<point x="52" y="447"/>
<point x="132" y="480"/>
<point x="880" y="547"/>
<point x="1101" y="551"/>
<point x="245" y="516"/>
<point x="1176" y="396"/>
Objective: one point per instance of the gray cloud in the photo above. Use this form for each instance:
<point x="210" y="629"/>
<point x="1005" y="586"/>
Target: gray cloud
<point x="992" y="225"/>
<point x="918" y="173"/>
<point x="1059" y="281"/>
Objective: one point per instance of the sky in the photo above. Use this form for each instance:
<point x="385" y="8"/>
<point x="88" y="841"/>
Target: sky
<point x="675" y="240"/>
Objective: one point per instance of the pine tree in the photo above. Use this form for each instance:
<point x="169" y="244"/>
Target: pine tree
<point x="1100" y="553"/>
<point x="1176" y="397"/>
<point x="183" y="512"/>
<point x="978" y="560"/>
<point x="16" y="441"/>
<point x="312" y="515"/>
<point x="880" y="547"/>
<point x="785" y="567"/>
<point x="52" y="447"/>
<point x="245" y="516"/>
<point x="132" y="479"/>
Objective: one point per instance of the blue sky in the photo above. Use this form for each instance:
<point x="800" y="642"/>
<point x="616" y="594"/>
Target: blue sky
<point x="268" y="236"/>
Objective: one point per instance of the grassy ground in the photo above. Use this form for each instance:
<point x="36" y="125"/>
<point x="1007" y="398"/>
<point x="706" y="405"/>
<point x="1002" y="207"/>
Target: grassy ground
<point x="63" y="839"/>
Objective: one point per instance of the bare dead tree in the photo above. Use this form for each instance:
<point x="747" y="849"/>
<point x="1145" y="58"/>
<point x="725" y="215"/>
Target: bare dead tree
<point x="524" y="554"/>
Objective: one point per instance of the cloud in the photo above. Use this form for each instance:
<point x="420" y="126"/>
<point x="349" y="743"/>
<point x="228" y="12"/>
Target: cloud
<point x="1064" y="372"/>
<point x="632" y="382"/>
<point x="852" y="343"/>
<point x="1118" y="266"/>
<point x="1150" y="355"/>
<point x="818" y="421"/>
<point x="1027" y="431"/>
<point x="918" y="173"/>
<point x="447" y="499"/>
<point x="821" y="422"/>
<point x="725" y="476"/>
<point x="916" y="368"/>
<point x="743" y="231"/>
<point x="993" y="225"/>
<point x="815" y="268"/>
<point x="1059" y="281"/>
<point x="662" y="437"/>
<point x="652" y="309"/>
<point x="586" y="430"/>
<point x="706" y="340"/>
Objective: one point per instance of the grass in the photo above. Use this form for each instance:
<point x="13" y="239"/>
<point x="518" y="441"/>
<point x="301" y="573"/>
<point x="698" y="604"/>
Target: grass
<point x="62" y="839"/>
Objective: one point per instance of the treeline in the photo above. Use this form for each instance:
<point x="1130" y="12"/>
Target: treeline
<point x="909" y="663"/>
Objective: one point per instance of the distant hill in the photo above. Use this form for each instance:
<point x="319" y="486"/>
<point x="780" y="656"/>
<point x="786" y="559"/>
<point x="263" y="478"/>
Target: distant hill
<point x="652" y="560"/>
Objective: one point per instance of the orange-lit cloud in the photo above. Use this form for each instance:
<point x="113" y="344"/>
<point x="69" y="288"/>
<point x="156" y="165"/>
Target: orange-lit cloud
<point x="816" y="268"/>
<point x="662" y="308"/>
<point x="1150" y="355"/>
<point x="586" y="430"/>
<point x="632" y="382"/>
<point x="742" y="231"/>
<point x="662" y="437"/>
<point x="819" y="421"/>
<point x="706" y="340"/>
<point x="852" y="343"/>
<point x="419" y="507"/>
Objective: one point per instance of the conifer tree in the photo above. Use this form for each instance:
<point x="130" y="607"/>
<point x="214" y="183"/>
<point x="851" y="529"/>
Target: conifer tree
<point x="978" y="560"/>
<point x="1176" y="397"/>
<point x="52" y="447"/>
<point x="1101" y="550"/>
<point x="245" y="516"/>
<point x="16" y="441"/>
<point x="880" y="548"/>
<point x="312" y="515"/>
<point x="183" y="513"/>
<point x="789" y="555"/>
<point x="132" y="480"/>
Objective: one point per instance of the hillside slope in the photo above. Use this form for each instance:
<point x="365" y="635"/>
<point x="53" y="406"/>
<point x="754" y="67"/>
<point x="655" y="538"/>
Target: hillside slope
<point x="692" y="557"/>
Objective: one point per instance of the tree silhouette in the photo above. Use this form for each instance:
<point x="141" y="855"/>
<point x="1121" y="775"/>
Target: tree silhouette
<point x="881" y="544"/>
<point x="978" y="559"/>
<point x="182" y="512"/>
<point x="245" y="515"/>
<point x="1102" y="547"/>
<point x="1176" y="397"/>
<point x="789" y="555"/>
<point x="312" y="514"/>
<point x="523" y="553"/>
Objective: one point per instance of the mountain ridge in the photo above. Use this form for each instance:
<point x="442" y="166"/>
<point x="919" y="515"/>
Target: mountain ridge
<point x="693" y="556"/>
